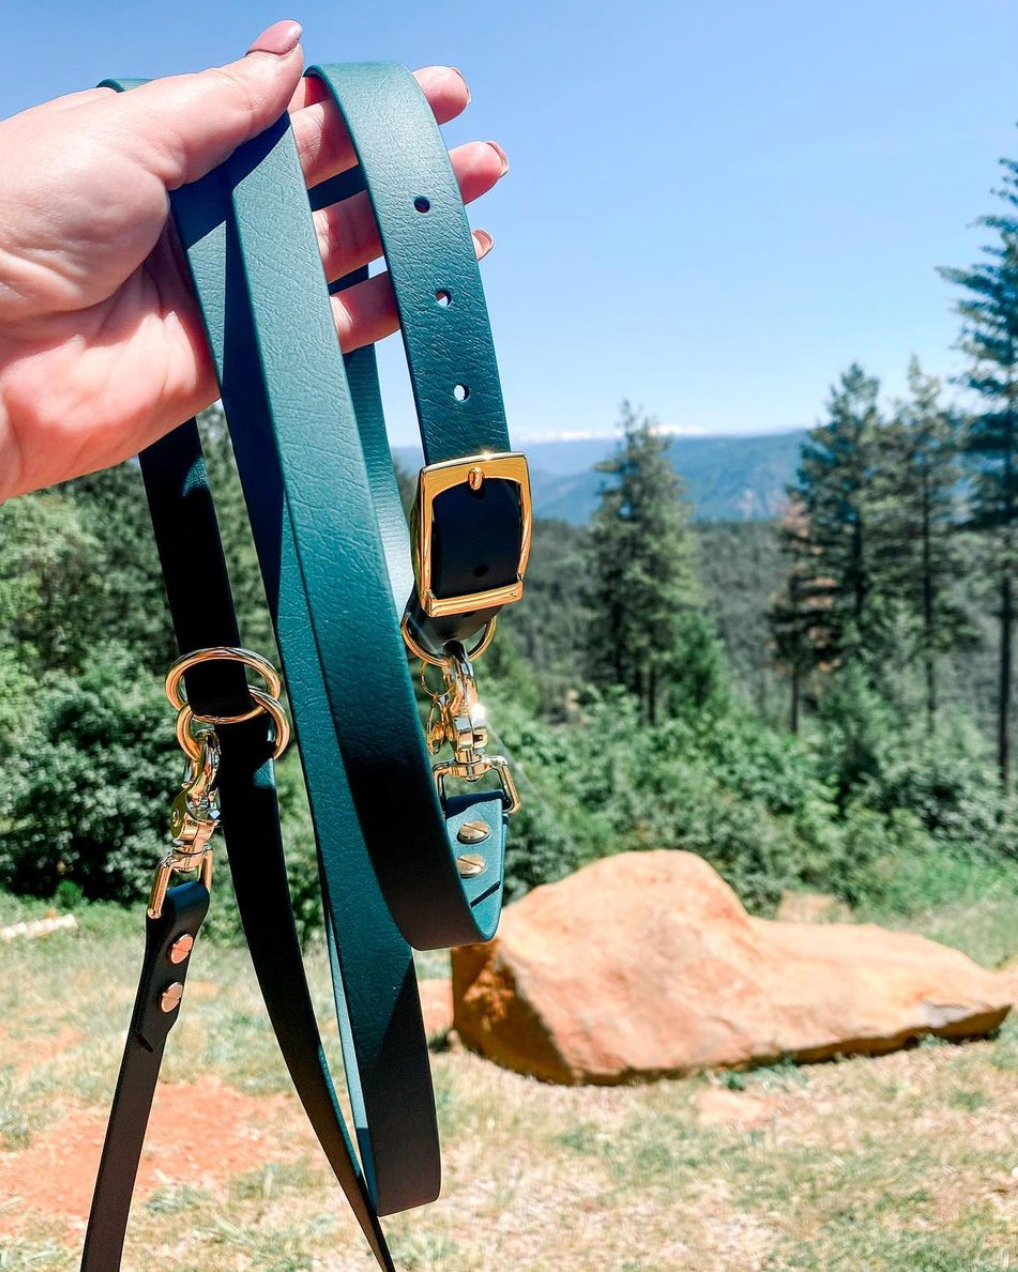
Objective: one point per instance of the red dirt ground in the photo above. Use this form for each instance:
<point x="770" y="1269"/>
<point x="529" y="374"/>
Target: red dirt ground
<point x="200" y="1134"/>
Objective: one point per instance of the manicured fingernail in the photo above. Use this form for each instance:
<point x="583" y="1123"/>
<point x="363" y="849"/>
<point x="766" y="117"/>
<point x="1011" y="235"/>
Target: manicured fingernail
<point x="465" y="84"/>
<point x="486" y="241"/>
<point x="501" y="154"/>
<point x="280" y="38"/>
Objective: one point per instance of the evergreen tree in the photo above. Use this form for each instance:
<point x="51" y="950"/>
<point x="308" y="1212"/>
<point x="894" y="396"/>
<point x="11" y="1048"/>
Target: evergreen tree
<point x="916" y="554"/>
<point x="647" y="628"/>
<point x="799" y="613"/>
<point x="988" y="307"/>
<point x="834" y="489"/>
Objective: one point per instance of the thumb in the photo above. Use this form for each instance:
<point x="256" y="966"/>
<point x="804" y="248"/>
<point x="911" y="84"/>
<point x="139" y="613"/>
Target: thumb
<point x="190" y="123"/>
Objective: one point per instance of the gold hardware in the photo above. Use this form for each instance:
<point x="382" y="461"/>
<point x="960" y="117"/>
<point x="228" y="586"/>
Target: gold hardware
<point x="171" y="996"/>
<point x="473" y="471"/>
<point x="225" y="653"/>
<point x="488" y="763"/>
<point x="470" y="865"/>
<point x="457" y="719"/>
<point x="263" y="702"/>
<point x="473" y="832"/>
<point x="193" y="820"/>
<point x="181" y="948"/>
<point x="438" y="660"/>
<point x="195" y="813"/>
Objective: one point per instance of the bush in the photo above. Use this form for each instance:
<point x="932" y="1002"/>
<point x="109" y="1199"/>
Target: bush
<point x="89" y="782"/>
<point x="735" y="793"/>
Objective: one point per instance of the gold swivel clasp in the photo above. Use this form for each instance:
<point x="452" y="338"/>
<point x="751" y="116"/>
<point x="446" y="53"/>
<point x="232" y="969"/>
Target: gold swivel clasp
<point x="457" y="720"/>
<point x="195" y="813"/>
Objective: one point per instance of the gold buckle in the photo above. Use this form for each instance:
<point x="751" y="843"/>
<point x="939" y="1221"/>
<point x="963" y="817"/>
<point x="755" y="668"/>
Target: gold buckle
<point x="473" y="472"/>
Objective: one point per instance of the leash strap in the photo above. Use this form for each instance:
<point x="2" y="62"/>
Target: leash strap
<point x="165" y="965"/>
<point x="188" y="539"/>
<point x="348" y="631"/>
<point x="311" y="449"/>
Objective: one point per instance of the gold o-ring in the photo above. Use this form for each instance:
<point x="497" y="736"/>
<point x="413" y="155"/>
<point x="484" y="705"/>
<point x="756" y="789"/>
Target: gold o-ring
<point x="264" y="702"/>
<point x="227" y="653"/>
<point x="435" y="660"/>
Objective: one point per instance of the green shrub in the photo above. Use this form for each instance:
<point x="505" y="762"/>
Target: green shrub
<point x="88" y="783"/>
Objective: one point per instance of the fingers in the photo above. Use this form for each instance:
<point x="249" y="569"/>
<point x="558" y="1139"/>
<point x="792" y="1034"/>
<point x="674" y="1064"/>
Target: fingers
<point x="348" y="233"/>
<point x="366" y="312"/>
<point x="321" y="135"/>
<point x="190" y="123"/>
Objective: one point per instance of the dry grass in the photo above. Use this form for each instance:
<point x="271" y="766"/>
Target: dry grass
<point x="905" y="1162"/>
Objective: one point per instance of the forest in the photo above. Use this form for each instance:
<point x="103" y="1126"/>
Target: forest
<point x="822" y="702"/>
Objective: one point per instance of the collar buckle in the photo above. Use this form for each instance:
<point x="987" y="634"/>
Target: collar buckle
<point x="473" y="472"/>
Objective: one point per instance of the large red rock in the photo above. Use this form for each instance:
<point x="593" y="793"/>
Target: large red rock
<point x="646" y="965"/>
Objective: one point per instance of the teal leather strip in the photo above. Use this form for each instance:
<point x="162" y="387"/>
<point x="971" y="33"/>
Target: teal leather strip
<point x="405" y="168"/>
<point x="403" y="165"/>
<point x="387" y="1067"/>
<point x="309" y="437"/>
<point x="331" y="512"/>
<point x="382" y="1032"/>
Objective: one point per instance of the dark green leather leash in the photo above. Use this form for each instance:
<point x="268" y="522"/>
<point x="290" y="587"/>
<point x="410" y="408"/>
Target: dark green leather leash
<point x="310" y="444"/>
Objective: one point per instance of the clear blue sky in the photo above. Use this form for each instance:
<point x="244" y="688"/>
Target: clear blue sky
<point x="713" y="207"/>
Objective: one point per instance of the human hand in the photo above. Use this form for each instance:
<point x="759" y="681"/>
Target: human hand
<point x="102" y="349"/>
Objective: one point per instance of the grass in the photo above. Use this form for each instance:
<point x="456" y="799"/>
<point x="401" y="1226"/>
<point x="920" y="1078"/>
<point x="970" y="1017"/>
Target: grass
<point x="899" y="1164"/>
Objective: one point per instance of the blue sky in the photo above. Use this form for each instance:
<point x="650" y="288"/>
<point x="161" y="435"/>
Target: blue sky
<point x="712" y="208"/>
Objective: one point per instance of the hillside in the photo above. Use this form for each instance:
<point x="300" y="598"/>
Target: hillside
<point x="728" y="478"/>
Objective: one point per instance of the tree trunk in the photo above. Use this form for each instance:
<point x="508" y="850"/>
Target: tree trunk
<point x="793" y="713"/>
<point x="1006" y="604"/>
<point x="929" y="621"/>
<point x="860" y="569"/>
<point x="1004" y="692"/>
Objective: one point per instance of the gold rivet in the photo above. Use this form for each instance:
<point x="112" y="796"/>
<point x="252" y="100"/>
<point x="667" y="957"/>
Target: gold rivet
<point x="473" y="832"/>
<point x="180" y="948"/>
<point x="172" y="995"/>
<point x="475" y="478"/>
<point x="471" y="864"/>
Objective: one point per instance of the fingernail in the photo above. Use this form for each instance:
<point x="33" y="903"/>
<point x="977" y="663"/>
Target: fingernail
<point x="501" y="154"/>
<point x="280" y="38"/>
<point x="465" y="84"/>
<point x="486" y="241"/>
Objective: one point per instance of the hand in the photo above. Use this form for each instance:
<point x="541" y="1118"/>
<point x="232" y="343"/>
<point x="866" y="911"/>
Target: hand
<point x="101" y="344"/>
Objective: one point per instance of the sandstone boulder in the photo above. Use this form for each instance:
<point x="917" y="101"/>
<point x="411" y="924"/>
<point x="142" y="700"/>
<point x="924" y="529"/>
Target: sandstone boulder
<point x="646" y="965"/>
<point x="436" y="1007"/>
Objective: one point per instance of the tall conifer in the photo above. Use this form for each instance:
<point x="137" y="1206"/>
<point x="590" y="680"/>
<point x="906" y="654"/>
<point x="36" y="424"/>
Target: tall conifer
<point x="988" y="307"/>
<point x="647" y="630"/>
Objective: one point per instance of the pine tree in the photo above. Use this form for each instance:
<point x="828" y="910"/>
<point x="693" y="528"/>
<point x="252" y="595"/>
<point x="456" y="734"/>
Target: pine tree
<point x="988" y="308"/>
<point x="834" y="489"/>
<point x="648" y="631"/>
<point x="915" y="493"/>
<point x="799" y="614"/>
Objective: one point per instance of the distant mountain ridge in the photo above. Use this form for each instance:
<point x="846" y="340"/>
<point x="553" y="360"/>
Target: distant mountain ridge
<point x="727" y="478"/>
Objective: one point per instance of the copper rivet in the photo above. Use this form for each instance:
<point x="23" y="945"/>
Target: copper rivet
<point x="180" y="948"/>
<point x="475" y="478"/>
<point x="471" y="864"/>
<point x="172" y="995"/>
<point x="473" y="832"/>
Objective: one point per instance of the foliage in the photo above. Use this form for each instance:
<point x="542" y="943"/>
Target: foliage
<point x="647" y="632"/>
<point x="835" y="495"/>
<point x="89" y="780"/>
<point x="988" y="308"/>
<point x="915" y="492"/>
